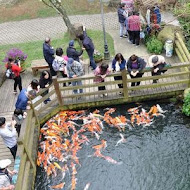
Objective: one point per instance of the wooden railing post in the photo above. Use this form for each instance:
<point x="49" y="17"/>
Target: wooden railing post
<point x="124" y="79"/>
<point x="57" y="90"/>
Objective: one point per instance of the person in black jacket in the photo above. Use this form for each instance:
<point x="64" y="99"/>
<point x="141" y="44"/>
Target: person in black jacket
<point x="134" y="66"/>
<point x="72" y="53"/>
<point x="48" y="52"/>
<point x="89" y="46"/>
<point x="45" y="81"/>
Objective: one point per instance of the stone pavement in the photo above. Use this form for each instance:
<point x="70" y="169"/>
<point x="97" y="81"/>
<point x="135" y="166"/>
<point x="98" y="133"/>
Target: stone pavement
<point x="54" y="27"/>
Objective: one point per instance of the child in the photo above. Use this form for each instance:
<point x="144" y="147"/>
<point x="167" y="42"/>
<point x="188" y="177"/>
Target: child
<point x="16" y="70"/>
<point x="45" y="81"/>
<point x="18" y="116"/>
<point x="101" y="72"/>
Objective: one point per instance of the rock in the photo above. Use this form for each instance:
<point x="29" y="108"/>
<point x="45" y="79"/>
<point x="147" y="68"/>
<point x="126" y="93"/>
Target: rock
<point x="168" y="32"/>
<point x="186" y="92"/>
<point x="2" y="74"/>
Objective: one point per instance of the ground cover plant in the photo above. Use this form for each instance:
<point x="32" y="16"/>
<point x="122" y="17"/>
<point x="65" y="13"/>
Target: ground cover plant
<point x="34" y="49"/>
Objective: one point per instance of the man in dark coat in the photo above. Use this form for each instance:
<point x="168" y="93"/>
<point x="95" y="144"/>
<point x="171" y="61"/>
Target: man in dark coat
<point x="89" y="46"/>
<point x="48" y="52"/>
<point x="72" y="53"/>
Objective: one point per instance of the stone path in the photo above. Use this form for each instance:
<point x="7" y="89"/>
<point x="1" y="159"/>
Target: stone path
<point x="38" y="29"/>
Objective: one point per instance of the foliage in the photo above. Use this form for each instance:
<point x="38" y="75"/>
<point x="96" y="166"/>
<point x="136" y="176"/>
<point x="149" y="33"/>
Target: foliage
<point x="186" y="105"/>
<point x="183" y="13"/>
<point x="98" y="56"/>
<point x="34" y="49"/>
<point x="15" y="54"/>
<point x="154" y="45"/>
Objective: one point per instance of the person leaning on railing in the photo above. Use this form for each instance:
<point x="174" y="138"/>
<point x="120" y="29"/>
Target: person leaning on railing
<point x="118" y="64"/>
<point x="158" y="63"/>
<point x="135" y="65"/>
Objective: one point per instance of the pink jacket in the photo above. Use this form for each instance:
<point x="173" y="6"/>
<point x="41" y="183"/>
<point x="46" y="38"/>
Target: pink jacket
<point x="134" y="23"/>
<point x="97" y="73"/>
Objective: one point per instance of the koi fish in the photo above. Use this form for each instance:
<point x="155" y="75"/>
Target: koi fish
<point x="160" y="109"/>
<point x="57" y="165"/>
<point x="87" y="186"/>
<point x="59" y="186"/>
<point x="122" y="140"/>
<point x="111" y="160"/>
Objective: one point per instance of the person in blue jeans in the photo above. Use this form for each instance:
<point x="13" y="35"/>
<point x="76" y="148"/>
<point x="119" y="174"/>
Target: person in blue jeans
<point x="74" y="70"/>
<point x="89" y="47"/>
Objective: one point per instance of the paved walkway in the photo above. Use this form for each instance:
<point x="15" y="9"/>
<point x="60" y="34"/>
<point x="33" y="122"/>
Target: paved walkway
<point x="38" y="29"/>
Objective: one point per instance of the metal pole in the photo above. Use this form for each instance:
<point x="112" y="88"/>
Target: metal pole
<point x="106" y="51"/>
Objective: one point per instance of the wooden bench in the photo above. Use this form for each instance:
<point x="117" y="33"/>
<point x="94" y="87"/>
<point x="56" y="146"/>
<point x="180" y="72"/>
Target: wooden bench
<point x="38" y="64"/>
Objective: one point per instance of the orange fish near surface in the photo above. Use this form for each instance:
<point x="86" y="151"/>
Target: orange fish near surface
<point x="59" y="186"/>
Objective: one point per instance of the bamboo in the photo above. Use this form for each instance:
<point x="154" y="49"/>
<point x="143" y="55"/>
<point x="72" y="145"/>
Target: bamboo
<point x="178" y="44"/>
<point x="179" y="55"/>
<point x="57" y="90"/>
<point x="183" y="46"/>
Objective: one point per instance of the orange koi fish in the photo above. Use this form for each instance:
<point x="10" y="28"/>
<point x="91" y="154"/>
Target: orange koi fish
<point x="59" y="186"/>
<point x="101" y="146"/>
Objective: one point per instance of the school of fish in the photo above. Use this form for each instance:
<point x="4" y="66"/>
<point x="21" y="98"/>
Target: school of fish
<point x="62" y="137"/>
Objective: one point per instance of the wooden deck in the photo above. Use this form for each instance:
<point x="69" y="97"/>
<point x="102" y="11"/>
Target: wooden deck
<point x="8" y="99"/>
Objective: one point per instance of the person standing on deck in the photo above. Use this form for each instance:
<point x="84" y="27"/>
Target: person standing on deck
<point x="75" y="69"/>
<point x="101" y="72"/>
<point x="16" y="69"/>
<point x="6" y="175"/>
<point x="118" y="64"/>
<point x="134" y="66"/>
<point x="158" y="63"/>
<point x="48" y="52"/>
<point x="9" y="135"/>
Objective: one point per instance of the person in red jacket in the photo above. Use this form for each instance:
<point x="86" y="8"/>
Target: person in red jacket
<point x="16" y="70"/>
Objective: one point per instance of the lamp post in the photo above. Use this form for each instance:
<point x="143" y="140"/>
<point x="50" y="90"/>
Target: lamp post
<point x="106" y="51"/>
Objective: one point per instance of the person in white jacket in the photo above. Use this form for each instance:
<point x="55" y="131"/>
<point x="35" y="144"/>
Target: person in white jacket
<point x="9" y="135"/>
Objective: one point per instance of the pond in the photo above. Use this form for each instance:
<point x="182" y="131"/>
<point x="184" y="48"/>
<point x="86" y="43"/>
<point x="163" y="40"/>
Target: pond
<point x="155" y="157"/>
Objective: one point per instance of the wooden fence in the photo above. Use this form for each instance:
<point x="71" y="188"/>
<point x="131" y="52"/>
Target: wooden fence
<point x="173" y="82"/>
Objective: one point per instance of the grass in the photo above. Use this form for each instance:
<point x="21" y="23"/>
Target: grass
<point x="30" y="9"/>
<point x="34" y="49"/>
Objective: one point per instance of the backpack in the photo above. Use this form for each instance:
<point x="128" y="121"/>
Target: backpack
<point x="10" y="74"/>
<point x="57" y="65"/>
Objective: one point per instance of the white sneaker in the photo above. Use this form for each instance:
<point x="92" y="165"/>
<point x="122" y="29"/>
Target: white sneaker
<point x="120" y="93"/>
<point x="15" y="92"/>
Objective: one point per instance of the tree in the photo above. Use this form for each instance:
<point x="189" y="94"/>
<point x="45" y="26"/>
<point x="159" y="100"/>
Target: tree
<point x="57" y="5"/>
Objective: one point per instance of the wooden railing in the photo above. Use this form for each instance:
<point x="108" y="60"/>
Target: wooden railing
<point x="62" y="98"/>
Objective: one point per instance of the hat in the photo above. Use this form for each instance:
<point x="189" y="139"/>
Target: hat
<point x="70" y="60"/>
<point x="155" y="59"/>
<point x="71" y="43"/>
<point x="4" y="163"/>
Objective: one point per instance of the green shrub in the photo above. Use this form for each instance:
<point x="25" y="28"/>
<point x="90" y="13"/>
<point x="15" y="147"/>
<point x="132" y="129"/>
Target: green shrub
<point x="186" y="105"/>
<point x="154" y="45"/>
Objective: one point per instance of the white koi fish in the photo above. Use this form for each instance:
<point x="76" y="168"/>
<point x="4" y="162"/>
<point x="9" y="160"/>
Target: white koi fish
<point x="160" y="109"/>
<point x="87" y="186"/>
<point x="122" y="140"/>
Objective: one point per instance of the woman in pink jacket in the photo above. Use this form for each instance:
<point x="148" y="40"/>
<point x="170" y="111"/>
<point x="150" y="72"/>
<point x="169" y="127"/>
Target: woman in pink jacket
<point x="101" y="72"/>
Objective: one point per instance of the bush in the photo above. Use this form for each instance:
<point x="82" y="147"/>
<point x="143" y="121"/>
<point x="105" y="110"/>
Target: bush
<point x="154" y="45"/>
<point x="186" y="105"/>
<point x="17" y="55"/>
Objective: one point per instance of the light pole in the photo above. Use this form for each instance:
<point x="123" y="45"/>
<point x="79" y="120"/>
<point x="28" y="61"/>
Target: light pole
<point x="106" y="51"/>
